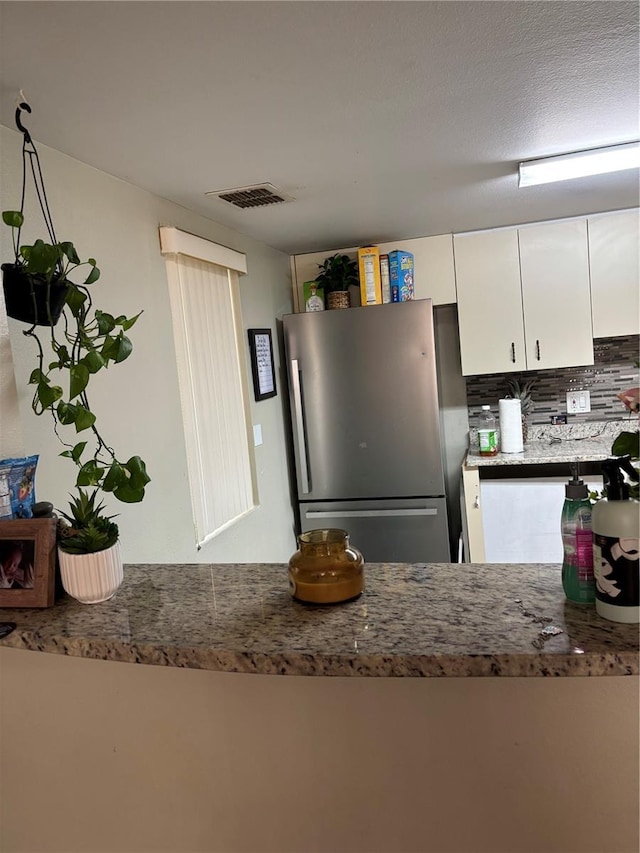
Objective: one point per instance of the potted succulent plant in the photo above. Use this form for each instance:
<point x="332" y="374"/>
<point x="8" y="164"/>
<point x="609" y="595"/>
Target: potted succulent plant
<point x="84" y="343"/>
<point x="337" y="274"/>
<point x="88" y="550"/>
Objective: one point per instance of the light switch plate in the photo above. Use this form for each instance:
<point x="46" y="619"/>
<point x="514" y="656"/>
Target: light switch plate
<point x="257" y="435"/>
<point x="578" y="402"/>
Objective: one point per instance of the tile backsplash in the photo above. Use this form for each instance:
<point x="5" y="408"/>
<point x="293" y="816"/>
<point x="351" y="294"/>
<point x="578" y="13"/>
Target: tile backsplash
<point x="613" y="371"/>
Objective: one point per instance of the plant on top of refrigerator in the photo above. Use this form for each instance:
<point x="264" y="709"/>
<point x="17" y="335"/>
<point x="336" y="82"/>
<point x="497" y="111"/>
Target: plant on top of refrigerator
<point x="337" y="272"/>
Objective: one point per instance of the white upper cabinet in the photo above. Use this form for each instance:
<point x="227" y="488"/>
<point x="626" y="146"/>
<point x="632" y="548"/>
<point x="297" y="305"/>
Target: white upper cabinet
<point x="554" y="268"/>
<point x="489" y="302"/>
<point x="434" y="275"/>
<point x="614" y="248"/>
<point x="523" y="298"/>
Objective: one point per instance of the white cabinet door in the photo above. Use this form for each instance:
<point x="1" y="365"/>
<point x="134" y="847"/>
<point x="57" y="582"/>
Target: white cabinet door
<point x="521" y="518"/>
<point x="556" y="297"/>
<point x="489" y="302"/>
<point x="614" y="248"/>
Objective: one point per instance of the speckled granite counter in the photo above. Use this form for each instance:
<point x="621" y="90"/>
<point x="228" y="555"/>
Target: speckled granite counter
<point x="413" y="620"/>
<point x="583" y="442"/>
<point x="543" y="453"/>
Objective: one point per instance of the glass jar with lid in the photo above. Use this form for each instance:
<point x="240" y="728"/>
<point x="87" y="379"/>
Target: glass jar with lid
<point x="326" y="569"/>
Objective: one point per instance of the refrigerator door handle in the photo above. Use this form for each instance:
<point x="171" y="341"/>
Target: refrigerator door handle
<point x="299" y="419"/>
<point x="369" y="513"/>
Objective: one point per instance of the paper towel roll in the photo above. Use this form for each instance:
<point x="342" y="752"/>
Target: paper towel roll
<point x="510" y="426"/>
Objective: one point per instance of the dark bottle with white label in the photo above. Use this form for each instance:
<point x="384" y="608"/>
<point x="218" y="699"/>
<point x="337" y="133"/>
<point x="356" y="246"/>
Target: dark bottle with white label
<point x="616" y="539"/>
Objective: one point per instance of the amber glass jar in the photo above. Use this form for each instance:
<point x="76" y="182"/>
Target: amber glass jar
<point x="326" y="569"/>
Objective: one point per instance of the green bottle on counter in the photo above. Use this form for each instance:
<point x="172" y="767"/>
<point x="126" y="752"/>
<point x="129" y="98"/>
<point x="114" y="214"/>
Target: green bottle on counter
<point x="577" y="540"/>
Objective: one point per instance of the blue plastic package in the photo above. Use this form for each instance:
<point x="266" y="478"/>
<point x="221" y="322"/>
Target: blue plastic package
<point x="17" y="487"/>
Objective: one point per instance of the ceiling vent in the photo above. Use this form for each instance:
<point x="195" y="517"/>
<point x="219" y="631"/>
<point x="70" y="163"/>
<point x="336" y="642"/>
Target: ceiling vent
<point x="257" y="195"/>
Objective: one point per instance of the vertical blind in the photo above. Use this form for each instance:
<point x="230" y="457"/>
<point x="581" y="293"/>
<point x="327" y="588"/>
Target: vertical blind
<point x="212" y="373"/>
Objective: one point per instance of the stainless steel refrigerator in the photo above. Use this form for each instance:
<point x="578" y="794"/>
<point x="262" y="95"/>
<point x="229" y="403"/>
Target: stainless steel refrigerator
<point x="366" y="428"/>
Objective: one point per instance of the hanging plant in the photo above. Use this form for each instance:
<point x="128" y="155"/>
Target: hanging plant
<point x="36" y="283"/>
<point x="84" y="343"/>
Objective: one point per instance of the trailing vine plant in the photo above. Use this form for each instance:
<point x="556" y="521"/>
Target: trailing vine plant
<point x="83" y="342"/>
<point x="90" y="341"/>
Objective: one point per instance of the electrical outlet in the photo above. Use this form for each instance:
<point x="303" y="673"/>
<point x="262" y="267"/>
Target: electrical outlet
<point x="578" y="402"/>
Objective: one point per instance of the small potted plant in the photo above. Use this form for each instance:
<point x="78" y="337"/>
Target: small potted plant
<point x="337" y="274"/>
<point x="88" y="550"/>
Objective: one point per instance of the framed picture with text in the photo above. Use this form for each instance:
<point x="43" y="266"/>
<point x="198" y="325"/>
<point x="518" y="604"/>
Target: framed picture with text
<point x="264" y="377"/>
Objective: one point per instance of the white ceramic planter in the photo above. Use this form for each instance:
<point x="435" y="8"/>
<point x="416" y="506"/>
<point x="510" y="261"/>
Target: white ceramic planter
<point x="92" y="578"/>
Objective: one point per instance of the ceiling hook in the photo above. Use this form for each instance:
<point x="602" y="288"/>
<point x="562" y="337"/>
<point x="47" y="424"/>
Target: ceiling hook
<point x="23" y="105"/>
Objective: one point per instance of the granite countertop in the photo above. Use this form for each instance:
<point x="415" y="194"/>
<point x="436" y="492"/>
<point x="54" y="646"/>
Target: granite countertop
<point x="582" y="442"/>
<point x="544" y="452"/>
<point x="413" y="620"/>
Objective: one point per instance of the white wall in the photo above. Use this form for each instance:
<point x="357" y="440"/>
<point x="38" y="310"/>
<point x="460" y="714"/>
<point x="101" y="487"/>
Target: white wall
<point x="122" y="758"/>
<point x="137" y="402"/>
<point x="10" y="429"/>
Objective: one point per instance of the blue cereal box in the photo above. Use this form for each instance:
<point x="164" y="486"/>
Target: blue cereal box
<point x="401" y="275"/>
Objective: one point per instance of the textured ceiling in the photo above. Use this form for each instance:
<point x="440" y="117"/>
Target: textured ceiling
<point x="385" y="120"/>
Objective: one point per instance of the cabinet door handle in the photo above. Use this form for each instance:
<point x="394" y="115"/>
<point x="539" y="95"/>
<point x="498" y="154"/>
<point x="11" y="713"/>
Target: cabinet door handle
<point x="538" y="350"/>
<point x="513" y="352"/>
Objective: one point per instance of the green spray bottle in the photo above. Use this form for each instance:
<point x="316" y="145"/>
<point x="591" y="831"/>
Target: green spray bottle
<point x="577" y="565"/>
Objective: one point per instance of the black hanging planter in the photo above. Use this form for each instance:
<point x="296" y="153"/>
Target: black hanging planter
<point x="35" y="285"/>
<point x="30" y="299"/>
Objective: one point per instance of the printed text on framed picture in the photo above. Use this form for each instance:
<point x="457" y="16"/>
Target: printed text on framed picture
<point x="264" y="378"/>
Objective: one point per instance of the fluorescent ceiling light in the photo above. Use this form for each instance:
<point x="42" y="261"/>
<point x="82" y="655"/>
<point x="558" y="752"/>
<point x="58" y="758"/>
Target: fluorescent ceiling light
<point x="615" y="158"/>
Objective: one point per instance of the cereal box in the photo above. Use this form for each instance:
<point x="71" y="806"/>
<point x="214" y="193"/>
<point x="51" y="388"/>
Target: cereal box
<point x="384" y="278"/>
<point x="369" y="269"/>
<point x="401" y="275"/>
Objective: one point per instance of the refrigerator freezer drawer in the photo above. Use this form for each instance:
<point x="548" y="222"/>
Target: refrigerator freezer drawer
<point x="397" y="531"/>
